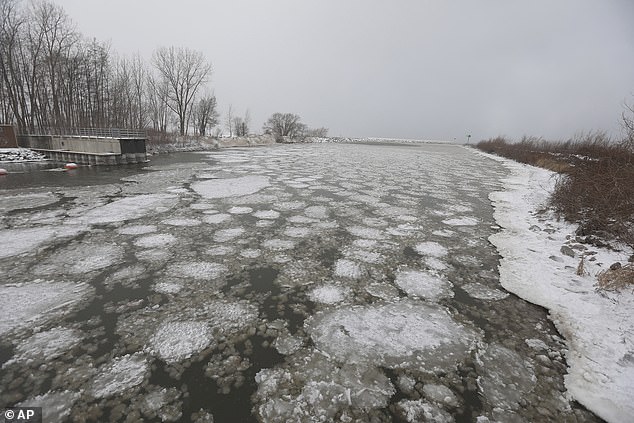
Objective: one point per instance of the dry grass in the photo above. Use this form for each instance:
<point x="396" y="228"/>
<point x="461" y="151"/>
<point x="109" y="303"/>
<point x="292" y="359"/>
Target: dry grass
<point x="617" y="279"/>
<point x="596" y="184"/>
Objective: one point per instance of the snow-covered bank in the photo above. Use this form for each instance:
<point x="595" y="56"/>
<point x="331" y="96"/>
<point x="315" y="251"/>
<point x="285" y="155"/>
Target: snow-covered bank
<point x="208" y="143"/>
<point x="19" y="155"/>
<point x="539" y="263"/>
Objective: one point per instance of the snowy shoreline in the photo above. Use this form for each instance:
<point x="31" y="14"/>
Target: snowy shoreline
<point x="598" y="326"/>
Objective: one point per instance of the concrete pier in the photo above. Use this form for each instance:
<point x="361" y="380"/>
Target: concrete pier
<point x="90" y="150"/>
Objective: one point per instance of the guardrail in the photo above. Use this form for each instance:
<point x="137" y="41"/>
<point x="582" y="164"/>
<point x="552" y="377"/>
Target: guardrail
<point x="116" y="133"/>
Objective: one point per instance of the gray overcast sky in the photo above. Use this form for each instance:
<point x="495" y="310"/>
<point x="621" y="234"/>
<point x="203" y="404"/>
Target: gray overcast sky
<point x="400" y="68"/>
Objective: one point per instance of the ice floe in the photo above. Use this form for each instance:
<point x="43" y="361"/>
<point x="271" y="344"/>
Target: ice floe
<point x="137" y="229"/>
<point x="267" y="214"/>
<point x="230" y="187"/>
<point x="483" y="292"/>
<point x="182" y="221"/>
<point x="216" y="218"/>
<point x="347" y="269"/>
<point x="313" y="389"/>
<point x="461" y="221"/>
<point x="402" y="334"/>
<point x="37" y="301"/>
<point x="424" y="285"/>
<point x="56" y="406"/>
<point x="128" y="208"/>
<point x="328" y="294"/>
<point x="120" y="374"/>
<point x="432" y="249"/>
<point x="504" y="376"/>
<point x="176" y="341"/>
<point x="156" y="240"/>
<point x="224" y="235"/>
<point x="197" y="270"/>
<point x="21" y="241"/>
<point x="278" y="244"/>
<point x="240" y="210"/>
<point x="46" y="346"/>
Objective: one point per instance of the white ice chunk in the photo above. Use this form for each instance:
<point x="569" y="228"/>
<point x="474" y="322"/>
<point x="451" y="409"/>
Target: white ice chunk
<point x="240" y="210"/>
<point x="401" y="334"/>
<point x="278" y="244"/>
<point x="182" y="221"/>
<point x="297" y="232"/>
<point x="347" y="269"/>
<point x="19" y="241"/>
<point x="461" y="221"/>
<point x="365" y="232"/>
<point x="128" y="208"/>
<point x="46" y="346"/>
<point x="328" y="294"/>
<point x="316" y="212"/>
<point x="156" y="240"/>
<point x="416" y="411"/>
<point x="177" y="341"/>
<point x="431" y="249"/>
<point x="251" y="253"/>
<point x="36" y="301"/>
<point x="224" y="235"/>
<point x="230" y="187"/>
<point x="483" y="292"/>
<point x="424" y="285"/>
<point x="197" y="270"/>
<point x="56" y="406"/>
<point x="267" y="214"/>
<point x="216" y="218"/>
<point x="120" y="374"/>
<point x="137" y="229"/>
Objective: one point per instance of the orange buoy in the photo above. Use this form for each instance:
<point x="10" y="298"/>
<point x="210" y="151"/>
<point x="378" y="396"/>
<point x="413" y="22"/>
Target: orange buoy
<point x="3" y="172"/>
<point x="71" y="166"/>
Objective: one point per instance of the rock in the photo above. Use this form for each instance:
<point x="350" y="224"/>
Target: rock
<point x="615" y="266"/>
<point x="566" y="250"/>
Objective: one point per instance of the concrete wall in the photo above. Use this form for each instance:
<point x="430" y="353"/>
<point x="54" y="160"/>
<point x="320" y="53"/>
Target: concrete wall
<point x="86" y="145"/>
<point x="7" y="137"/>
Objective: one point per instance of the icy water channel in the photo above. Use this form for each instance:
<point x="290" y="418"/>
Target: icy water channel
<point x="305" y="283"/>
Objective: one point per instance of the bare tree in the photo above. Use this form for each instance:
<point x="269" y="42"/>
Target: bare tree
<point x="316" y="132"/>
<point x="206" y="114"/>
<point x="157" y="103"/>
<point x="185" y="71"/>
<point x="241" y="124"/>
<point x="284" y="125"/>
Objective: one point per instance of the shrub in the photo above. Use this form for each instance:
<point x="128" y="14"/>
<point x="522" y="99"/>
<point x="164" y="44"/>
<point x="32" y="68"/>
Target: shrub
<point x="596" y="182"/>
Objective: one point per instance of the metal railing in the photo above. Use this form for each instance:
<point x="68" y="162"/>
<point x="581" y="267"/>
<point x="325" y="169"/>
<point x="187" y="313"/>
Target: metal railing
<point x="116" y="133"/>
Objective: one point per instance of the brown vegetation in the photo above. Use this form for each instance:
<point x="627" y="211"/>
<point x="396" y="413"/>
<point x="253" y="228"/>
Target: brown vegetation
<point x="595" y="186"/>
<point x="616" y="279"/>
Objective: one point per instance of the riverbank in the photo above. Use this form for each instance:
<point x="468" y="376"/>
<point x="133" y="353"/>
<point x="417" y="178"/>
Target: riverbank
<point x="543" y="263"/>
<point x="206" y="144"/>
